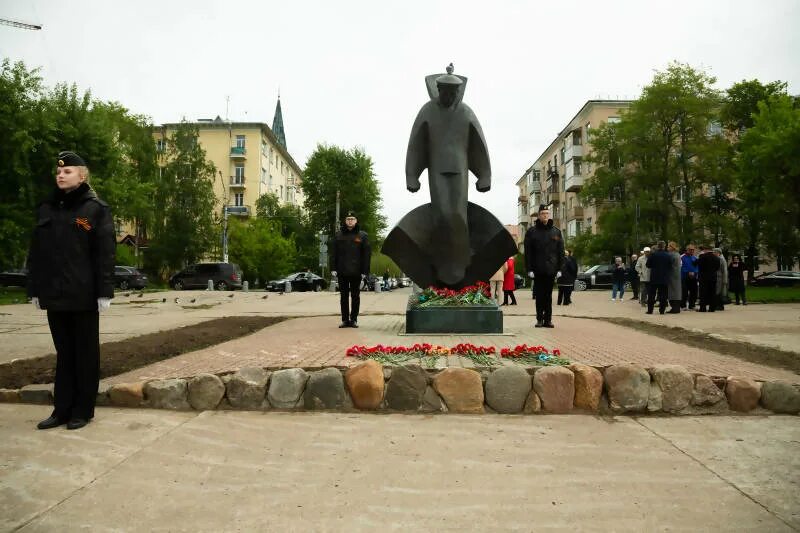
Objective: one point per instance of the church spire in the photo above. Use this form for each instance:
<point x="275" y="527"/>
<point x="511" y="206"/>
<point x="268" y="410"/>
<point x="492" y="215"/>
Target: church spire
<point x="277" y="124"/>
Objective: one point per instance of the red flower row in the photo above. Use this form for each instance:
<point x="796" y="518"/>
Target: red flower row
<point x="458" y="349"/>
<point x="451" y="293"/>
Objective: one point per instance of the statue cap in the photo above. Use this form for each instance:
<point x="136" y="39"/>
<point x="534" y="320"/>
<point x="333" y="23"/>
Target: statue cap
<point x="449" y="78"/>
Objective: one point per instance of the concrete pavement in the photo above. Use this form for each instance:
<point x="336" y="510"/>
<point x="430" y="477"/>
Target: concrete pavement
<point x="183" y="471"/>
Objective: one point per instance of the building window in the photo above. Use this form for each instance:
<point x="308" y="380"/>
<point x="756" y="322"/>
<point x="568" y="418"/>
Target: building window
<point x="239" y="172"/>
<point x="576" y="162"/>
<point x="615" y="195"/>
<point x="263" y="175"/>
<point x="281" y="196"/>
<point x="613" y="120"/>
<point x="238" y="199"/>
<point x="161" y="145"/>
<point x="680" y="193"/>
<point x="240" y="141"/>
<point x="576" y="138"/>
<point x="588" y="132"/>
<point x="264" y="151"/>
<point x="562" y="155"/>
<point x="589" y="224"/>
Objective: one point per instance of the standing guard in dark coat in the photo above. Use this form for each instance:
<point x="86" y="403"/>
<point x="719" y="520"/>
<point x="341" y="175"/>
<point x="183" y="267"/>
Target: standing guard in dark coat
<point x="351" y="256"/>
<point x="71" y="275"/>
<point x="736" y="279"/>
<point x="544" y="257"/>
<point x="566" y="282"/>
<point x="660" y="265"/>
<point x="707" y="267"/>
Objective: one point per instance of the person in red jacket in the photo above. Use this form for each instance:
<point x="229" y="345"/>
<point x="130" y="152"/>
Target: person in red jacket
<point x="508" y="283"/>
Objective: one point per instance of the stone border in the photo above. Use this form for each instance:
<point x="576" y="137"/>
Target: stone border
<point x="617" y="389"/>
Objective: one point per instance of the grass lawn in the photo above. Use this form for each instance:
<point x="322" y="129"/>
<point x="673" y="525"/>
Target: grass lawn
<point x="771" y="295"/>
<point x="12" y="295"/>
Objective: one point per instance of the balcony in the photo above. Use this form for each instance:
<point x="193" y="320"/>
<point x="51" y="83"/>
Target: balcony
<point x="238" y="210"/>
<point x="572" y="150"/>
<point x="238" y="152"/>
<point x="575" y="212"/>
<point x="573" y="181"/>
<point x="522" y="199"/>
<point x="237" y="181"/>
<point x="535" y="186"/>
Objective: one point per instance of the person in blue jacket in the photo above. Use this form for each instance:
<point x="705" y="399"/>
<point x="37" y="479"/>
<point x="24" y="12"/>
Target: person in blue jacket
<point x="689" y="277"/>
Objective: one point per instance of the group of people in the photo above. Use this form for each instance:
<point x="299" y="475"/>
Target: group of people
<point x="681" y="281"/>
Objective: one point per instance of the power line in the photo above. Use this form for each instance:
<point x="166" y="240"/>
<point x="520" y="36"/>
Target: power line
<point x="23" y="25"/>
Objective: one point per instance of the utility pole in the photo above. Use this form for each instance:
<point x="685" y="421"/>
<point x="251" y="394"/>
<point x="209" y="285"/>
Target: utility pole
<point x="224" y="219"/>
<point x="336" y="222"/>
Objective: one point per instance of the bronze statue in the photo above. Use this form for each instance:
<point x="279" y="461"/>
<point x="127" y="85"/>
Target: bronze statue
<point x="449" y="242"/>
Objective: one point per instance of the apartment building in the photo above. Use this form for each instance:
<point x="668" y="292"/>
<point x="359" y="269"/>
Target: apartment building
<point x="557" y="176"/>
<point x="251" y="159"/>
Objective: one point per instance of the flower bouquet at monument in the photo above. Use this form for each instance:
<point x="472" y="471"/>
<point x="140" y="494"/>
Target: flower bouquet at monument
<point x="473" y="295"/>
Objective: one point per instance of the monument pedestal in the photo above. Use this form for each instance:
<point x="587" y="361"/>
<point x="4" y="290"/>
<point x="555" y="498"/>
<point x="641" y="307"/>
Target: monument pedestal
<point x="456" y="319"/>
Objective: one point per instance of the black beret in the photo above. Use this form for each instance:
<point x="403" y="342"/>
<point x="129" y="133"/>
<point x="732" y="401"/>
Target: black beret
<point x="70" y="159"/>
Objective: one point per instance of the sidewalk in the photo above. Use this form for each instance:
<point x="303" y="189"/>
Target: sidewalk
<point x="142" y="470"/>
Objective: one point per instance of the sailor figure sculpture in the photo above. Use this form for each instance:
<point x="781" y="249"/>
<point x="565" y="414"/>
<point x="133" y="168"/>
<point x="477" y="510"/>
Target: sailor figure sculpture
<point x="449" y="242"/>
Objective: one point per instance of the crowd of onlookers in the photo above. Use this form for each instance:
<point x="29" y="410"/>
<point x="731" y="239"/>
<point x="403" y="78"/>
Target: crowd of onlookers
<point x="693" y="280"/>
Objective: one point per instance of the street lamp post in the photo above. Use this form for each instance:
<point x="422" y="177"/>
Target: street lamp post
<point x="224" y="220"/>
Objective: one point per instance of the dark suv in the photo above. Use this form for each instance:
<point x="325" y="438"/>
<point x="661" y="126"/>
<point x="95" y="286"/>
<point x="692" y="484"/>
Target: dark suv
<point x="224" y="275"/>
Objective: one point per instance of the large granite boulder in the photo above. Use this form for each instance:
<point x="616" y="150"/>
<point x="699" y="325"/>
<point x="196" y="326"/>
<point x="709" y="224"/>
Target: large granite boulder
<point x="461" y="389"/>
<point x="286" y="387"/>
<point x="507" y="388"/>
<point x="406" y="388"/>
<point x="41" y="394"/>
<point x="205" y="391"/>
<point x="325" y="390"/>
<point x="588" y="386"/>
<point x="555" y="386"/>
<point x="432" y="402"/>
<point x="366" y="385"/>
<point x="247" y="388"/>
<point x="167" y="394"/>
<point x="742" y="393"/>
<point x="127" y="394"/>
<point x="628" y="388"/>
<point x="676" y="386"/>
<point x="706" y="392"/>
<point x="780" y="397"/>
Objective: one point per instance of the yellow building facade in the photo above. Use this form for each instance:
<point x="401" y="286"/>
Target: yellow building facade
<point x="557" y="176"/>
<point x="249" y="159"/>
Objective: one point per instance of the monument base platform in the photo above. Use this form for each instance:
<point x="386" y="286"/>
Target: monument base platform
<point x="472" y="319"/>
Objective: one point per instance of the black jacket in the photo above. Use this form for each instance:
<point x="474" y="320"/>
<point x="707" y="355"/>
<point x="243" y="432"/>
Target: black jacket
<point x="569" y="271"/>
<point x="631" y="272"/>
<point x="72" y="253"/>
<point x="618" y="273"/>
<point x="351" y="252"/>
<point x="660" y="265"/>
<point x="707" y="266"/>
<point x="544" y="249"/>
<point x="736" y="276"/>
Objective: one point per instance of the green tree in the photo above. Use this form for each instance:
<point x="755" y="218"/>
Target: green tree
<point x="294" y="224"/>
<point x="258" y="247"/>
<point x="769" y="175"/>
<point x="330" y="169"/>
<point x="183" y="228"/>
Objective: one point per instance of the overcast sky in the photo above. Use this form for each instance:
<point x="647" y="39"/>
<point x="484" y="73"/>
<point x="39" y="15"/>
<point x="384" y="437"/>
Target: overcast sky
<point x="351" y="73"/>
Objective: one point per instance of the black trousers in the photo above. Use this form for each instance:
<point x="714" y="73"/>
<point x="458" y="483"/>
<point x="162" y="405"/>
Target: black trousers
<point x="506" y="295"/>
<point x="708" y="296"/>
<point x="76" y="336"/>
<point x="688" y="292"/>
<point x="349" y="287"/>
<point x="543" y="290"/>
<point x="564" y="294"/>
<point x="635" y="288"/>
<point x="739" y="294"/>
<point x="661" y="290"/>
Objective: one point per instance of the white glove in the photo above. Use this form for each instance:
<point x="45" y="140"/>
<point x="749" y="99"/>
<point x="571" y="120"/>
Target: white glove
<point x="35" y="302"/>
<point x="558" y="274"/>
<point x="103" y="304"/>
<point x="530" y="275"/>
<point x="333" y="273"/>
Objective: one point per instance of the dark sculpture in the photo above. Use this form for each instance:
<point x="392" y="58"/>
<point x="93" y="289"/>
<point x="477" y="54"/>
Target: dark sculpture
<point x="449" y="242"/>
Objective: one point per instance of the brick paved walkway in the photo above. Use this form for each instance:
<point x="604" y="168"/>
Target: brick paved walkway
<point x="312" y="342"/>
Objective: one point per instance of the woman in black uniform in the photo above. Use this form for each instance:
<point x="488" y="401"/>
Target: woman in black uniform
<point x="71" y="275"/>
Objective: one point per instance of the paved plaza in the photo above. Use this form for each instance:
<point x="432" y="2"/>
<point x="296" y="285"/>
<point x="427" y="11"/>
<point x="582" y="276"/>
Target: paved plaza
<point x="148" y="470"/>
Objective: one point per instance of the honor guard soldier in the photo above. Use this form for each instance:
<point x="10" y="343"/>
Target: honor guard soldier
<point x="351" y="256"/>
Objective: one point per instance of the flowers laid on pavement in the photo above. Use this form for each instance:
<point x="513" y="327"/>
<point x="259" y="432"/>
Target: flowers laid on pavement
<point x="480" y="355"/>
<point x="534" y="355"/>
<point x="478" y="294"/>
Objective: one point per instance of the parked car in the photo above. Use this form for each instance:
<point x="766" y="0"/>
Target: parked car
<point x="404" y="282"/>
<point x="781" y="278"/>
<point x="596" y="277"/>
<point x="128" y="277"/>
<point x="300" y="281"/>
<point x="226" y="276"/>
<point x="14" y="278"/>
